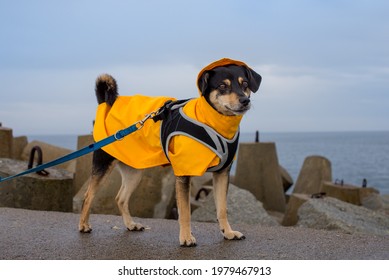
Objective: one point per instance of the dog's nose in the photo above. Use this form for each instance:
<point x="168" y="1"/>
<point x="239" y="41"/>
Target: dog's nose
<point x="244" y="101"/>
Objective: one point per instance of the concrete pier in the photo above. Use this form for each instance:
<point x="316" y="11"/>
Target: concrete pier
<point x="40" y="235"/>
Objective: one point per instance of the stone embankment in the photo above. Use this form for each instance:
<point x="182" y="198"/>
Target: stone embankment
<point x="256" y="193"/>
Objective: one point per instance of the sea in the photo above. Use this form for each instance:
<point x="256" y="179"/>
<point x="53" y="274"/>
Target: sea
<point x="354" y="156"/>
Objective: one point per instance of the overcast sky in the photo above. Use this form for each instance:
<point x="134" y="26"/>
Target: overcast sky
<point x="324" y="63"/>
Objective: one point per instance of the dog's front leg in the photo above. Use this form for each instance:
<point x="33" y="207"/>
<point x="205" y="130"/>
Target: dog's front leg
<point x="220" y="185"/>
<point x="183" y="205"/>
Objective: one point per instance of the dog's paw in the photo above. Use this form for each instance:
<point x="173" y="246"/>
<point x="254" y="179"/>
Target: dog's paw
<point x="84" y="228"/>
<point x="233" y="235"/>
<point x="190" y="241"/>
<point x="135" y="227"/>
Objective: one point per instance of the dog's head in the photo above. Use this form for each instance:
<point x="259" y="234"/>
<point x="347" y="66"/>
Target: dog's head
<point x="228" y="88"/>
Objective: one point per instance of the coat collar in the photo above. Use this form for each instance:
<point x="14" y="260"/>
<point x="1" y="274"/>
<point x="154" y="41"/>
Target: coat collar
<point x="200" y="110"/>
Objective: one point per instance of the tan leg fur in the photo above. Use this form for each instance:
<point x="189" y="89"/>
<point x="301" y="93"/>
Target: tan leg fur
<point x="95" y="182"/>
<point x="130" y="180"/>
<point x="220" y="185"/>
<point x="183" y="205"/>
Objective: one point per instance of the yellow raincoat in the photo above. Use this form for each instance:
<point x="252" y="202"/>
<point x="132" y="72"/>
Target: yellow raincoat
<point x="142" y="149"/>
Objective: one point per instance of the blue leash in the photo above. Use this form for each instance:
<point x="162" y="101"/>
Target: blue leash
<point x="93" y="147"/>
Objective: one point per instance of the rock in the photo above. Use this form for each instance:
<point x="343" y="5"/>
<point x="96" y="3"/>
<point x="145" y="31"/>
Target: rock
<point x="258" y="171"/>
<point x="384" y="201"/>
<point x="152" y="198"/>
<point x="6" y="141"/>
<point x="50" y="152"/>
<point x="315" y="169"/>
<point x="333" y="214"/>
<point x="243" y="208"/>
<point x="346" y="193"/>
<point x="295" y="201"/>
<point x="373" y="201"/>
<point x="376" y="202"/>
<point x="51" y="193"/>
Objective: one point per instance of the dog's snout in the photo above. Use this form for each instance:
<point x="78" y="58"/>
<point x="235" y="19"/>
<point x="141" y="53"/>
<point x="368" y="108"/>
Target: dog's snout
<point x="244" y="101"/>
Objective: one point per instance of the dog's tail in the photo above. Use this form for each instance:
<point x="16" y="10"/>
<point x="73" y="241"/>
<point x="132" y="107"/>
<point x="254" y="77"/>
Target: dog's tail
<point x="106" y="89"/>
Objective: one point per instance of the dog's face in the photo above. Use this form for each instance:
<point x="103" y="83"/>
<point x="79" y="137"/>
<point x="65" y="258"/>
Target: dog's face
<point x="227" y="88"/>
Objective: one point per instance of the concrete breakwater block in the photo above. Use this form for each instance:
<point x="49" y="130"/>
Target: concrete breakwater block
<point x="287" y="180"/>
<point x="104" y="201"/>
<point x="295" y="201"/>
<point x="50" y="152"/>
<point x="200" y="187"/>
<point x="153" y="198"/>
<point x="19" y="143"/>
<point x="366" y="197"/>
<point x="6" y="141"/>
<point x="315" y="169"/>
<point x="33" y="191"/>
<point x="258" y="171"/>
<point x="155" y="194"/>
<point x="242" y="206"/>
<point x="332" y="214"/>
<point x="347" y="193"/>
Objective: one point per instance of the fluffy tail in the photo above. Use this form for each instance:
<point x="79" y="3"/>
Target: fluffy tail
<point x="106" y="89"/>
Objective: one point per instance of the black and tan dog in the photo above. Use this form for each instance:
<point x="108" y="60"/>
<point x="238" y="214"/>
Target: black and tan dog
<point x="195" y="136"/>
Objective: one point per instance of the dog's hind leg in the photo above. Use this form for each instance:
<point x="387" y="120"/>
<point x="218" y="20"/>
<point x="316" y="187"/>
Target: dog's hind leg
<point x="101" y="167"/>
<point x="220" y="185"/>
<point x="130" y="180"/>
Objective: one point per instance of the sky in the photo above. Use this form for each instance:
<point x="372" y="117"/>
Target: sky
<point x="324" y="63"/>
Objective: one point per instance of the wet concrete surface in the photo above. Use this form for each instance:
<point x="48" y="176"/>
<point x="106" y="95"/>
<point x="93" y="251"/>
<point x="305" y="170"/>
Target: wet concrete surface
<point x="27" y="234"/>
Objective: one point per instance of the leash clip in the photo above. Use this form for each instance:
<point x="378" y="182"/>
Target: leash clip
<point x="151" y="115"/>
<point x="160" y="114"/>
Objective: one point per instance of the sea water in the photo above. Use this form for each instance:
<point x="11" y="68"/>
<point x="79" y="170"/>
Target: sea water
<point x="354" y="156"/>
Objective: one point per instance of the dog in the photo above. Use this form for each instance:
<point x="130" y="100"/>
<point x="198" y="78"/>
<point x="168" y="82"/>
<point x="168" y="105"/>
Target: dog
<point x="225" y="87"/>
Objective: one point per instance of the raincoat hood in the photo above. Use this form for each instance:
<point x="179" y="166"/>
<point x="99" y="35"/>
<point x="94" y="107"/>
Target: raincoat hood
<point x="218" y="63"/>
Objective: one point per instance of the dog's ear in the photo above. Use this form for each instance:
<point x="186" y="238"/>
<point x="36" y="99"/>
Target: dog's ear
<point x="202" y="83"/>
<point x="254" y="79"/>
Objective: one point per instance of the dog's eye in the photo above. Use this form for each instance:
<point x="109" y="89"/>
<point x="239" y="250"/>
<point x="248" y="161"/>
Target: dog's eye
<point x="245" y="85"/>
